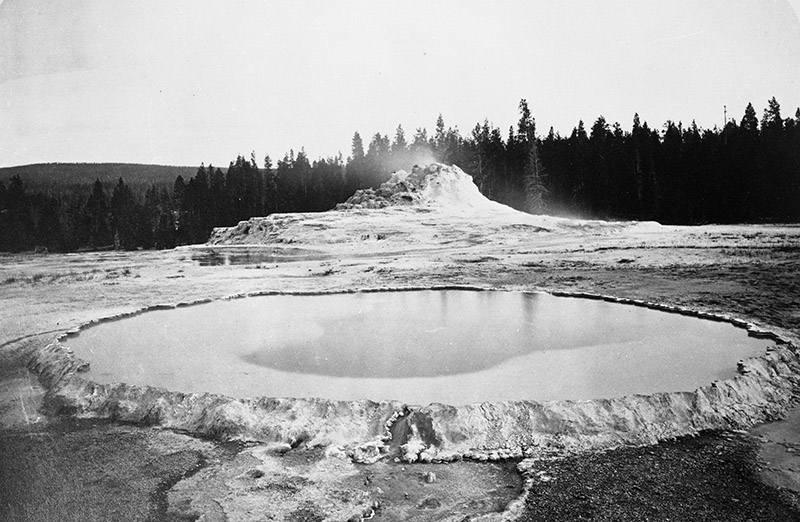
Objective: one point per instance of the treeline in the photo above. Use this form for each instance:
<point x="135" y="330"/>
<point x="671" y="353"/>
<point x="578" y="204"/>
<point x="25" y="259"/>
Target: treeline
<point x="129" y="216"/>
<point x="67" y="220"/>
<point x="748" y="171"/>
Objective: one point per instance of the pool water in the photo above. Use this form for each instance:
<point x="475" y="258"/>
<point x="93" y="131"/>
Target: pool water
<point x="450" y="346"/>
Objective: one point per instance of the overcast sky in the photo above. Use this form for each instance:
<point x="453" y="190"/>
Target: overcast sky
<point x="184" y="82"/>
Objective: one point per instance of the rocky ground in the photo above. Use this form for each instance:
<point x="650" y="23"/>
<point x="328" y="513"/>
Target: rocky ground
<point x="56" y="467"/>
<point x="710" y="477"/>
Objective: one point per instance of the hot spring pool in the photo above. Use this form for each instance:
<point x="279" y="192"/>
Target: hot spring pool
<point x="450" y="346"/>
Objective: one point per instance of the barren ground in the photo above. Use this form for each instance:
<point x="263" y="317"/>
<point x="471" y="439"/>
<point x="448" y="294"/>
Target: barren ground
<point x="59" y="468"/>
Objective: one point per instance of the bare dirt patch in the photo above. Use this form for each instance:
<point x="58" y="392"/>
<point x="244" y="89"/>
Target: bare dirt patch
<point x="93" y="470"/>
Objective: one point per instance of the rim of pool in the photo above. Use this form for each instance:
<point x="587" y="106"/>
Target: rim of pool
<point x="762" y="388"/>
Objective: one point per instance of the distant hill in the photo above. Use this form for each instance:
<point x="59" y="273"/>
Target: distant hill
<point x="44" y="176"/>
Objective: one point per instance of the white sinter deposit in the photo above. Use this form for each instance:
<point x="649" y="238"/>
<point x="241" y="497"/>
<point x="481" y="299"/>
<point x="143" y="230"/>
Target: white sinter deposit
<point x="434" y="204"/>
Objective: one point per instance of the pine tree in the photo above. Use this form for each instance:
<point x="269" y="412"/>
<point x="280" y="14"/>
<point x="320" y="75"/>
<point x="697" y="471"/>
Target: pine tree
<point x="255" y="188"/>
<point x="526" y="127"/>
<point x="377" y="160"/>
<point x="47" y="230"/>
<point x="749" y="121"/>
<point x="270" y="187"/>
<point x="480" y="155"/>
<point x="302" y="170"/>
<point x="533" y="172"/>
<point x="776" y="184"/>
<point x="400" y="145"/>
<point x="217" y="196"/>
<point x="772" y="116"/>
<point x="123" y="217"/>
<point x="158" y="212"/>
<point x="355" y="168"/>
<point x="438" y="141"/>
<point x="357" y="148"/>
<point x="399" y="150"/>
<point x="578" y="146"/>
<point x="97" y="216"/>
<point x="598" y="183"/>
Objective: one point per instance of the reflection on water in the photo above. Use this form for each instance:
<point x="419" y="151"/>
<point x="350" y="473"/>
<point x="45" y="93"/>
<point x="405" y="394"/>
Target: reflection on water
<point x="252" y="256"/>
<point x="429" y="334"/>
<point x="452" y="346"/>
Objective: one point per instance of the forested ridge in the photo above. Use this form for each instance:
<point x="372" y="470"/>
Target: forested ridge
<point x="54" y="177"/>
<point x="748" y="171"/>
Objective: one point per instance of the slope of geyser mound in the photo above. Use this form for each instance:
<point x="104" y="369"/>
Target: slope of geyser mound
<point x="435" y="204"/>
<point x="436" y="185"/>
